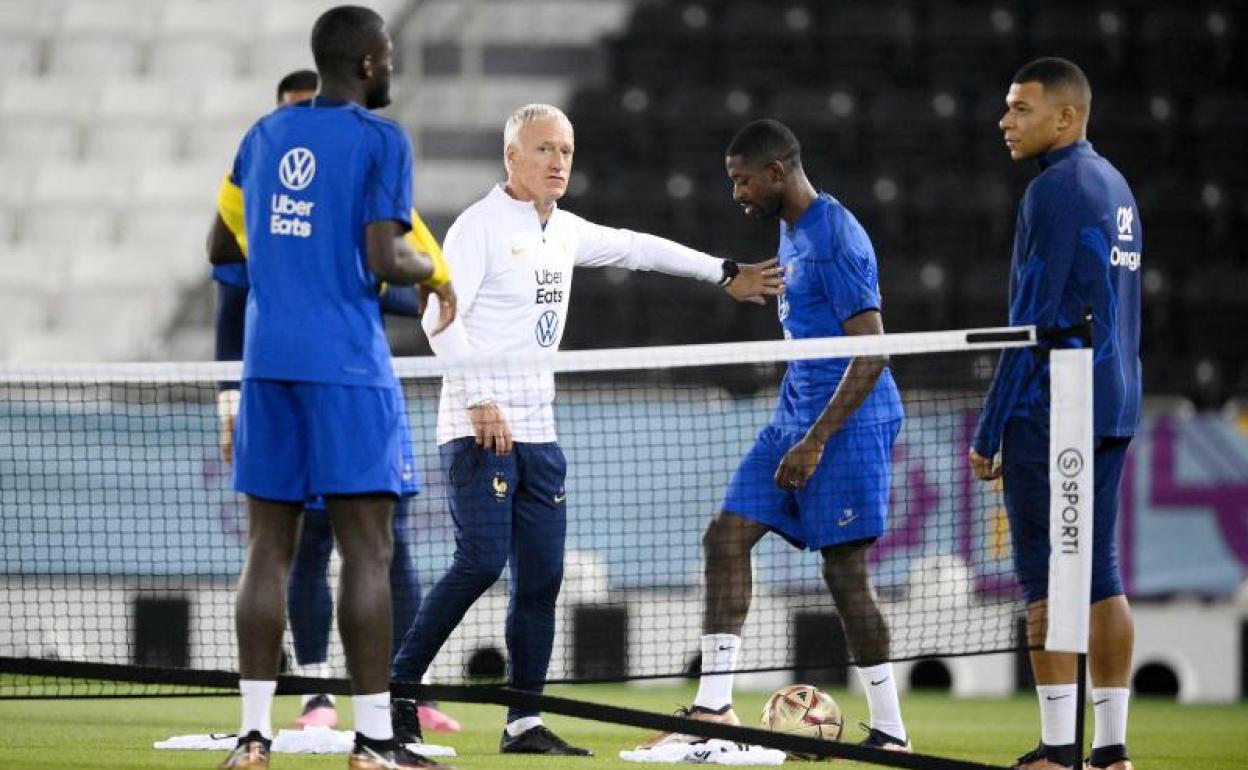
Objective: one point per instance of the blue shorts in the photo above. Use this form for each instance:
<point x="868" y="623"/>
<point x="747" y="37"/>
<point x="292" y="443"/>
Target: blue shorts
<point x="845" y="500"/>
<point x="297" y="440"/>
<point x="1025" y="465"/>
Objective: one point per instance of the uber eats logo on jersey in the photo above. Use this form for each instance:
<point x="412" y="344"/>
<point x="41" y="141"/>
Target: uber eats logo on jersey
<point x="288" y="215"/>
<point x="549" y="286"/>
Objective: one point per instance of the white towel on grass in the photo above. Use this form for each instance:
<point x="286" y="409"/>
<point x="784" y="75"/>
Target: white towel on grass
<point x="712" y="752"/>
<point x="311" y="740"/>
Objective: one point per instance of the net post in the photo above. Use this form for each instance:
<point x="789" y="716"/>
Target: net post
<point x="1071" y="483"/>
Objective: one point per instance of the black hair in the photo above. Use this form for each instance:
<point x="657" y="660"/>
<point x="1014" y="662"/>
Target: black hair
<point x="764" y="141"/>
<point x="299" y="80"/>
<point x="1053" y="72"/>
<point x="344" y="35"/>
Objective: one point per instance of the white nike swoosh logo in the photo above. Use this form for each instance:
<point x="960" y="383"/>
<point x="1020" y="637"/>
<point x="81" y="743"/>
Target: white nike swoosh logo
<point x="561" y="498"/>
<point x="845" y="522"/>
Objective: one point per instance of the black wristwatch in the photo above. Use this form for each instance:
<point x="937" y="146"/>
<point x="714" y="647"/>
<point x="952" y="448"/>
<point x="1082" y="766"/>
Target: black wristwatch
<point x="731" y="269"/>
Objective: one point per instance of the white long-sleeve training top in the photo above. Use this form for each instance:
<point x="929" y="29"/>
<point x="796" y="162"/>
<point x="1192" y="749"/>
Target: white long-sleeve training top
<point x="513" y="279"/>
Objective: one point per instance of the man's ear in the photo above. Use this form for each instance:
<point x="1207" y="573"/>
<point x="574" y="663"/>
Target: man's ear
<point x="1067" y="116"/>
<point x="776" y="171"/>
<point x="366" y="67"/>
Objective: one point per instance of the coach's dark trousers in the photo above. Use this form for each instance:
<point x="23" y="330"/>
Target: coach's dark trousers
<point x="507" y="511"/>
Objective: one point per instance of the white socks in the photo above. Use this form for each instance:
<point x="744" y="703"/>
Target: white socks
<point x="881" y="688"/>
<point x="372" y="716"/>
<point x="522" y="725"/>
<point x="257" y="706"/>
<point x="719" y="655"/>
<point x="1110" y="706"/>
<point x="315" y="671"/>
<point x="1057" y="714"/>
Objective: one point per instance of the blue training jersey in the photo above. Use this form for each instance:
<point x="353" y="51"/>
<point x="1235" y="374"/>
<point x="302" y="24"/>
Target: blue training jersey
<point x="1077" y="244"/>
<point x="830" y="276"/>
<point x="313" y="176"/>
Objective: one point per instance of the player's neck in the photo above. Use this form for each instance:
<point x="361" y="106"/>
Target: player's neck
<point x="337" y="91"/>
<point x="797" y="199"/>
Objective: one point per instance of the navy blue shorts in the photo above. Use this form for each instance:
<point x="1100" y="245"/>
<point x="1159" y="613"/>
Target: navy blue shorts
<point x="1025" y="463"/>
<point x="845" y="500"/>
<point x="297" y="440"/>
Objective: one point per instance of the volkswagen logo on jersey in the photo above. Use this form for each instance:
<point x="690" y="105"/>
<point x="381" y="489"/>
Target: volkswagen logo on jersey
<point x="547" y="326"/>
<point x="297" y="168"/>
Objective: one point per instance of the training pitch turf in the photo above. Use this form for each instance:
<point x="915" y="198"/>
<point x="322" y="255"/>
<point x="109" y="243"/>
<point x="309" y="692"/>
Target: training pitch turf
<point x="85" y="734"/>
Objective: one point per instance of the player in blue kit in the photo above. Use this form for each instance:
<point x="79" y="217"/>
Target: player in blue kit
<point x="327" y="199"/>
<point x="309" y="600"/>
<point x="818" y="474"/>
<point x="1077" y="245"/>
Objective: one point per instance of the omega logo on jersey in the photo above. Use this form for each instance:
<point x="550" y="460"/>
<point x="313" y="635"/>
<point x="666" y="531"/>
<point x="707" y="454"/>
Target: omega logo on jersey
<point x="297" y="168"/>
<point x="545" y="279"/>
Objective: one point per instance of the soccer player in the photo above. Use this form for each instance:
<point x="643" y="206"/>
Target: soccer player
<point x="818" y="474"/>
<point x="513" y="253"/>
<point x="327" y="198"/>
<point x="1077" y="245"/>
<point x="309" y="600"/>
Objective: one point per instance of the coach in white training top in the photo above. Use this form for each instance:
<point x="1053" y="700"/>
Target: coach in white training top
<point x="512" y="254"/>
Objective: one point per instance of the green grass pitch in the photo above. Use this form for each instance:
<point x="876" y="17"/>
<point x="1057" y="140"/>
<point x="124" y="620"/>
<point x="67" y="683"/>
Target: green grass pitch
<point x="86" y="734"/>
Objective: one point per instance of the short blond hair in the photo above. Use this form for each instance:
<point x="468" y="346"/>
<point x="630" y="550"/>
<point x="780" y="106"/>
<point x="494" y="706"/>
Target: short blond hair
<point x="529" y="113"/>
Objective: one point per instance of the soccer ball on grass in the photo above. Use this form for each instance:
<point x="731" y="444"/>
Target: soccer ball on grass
<point x="802" y="709"/>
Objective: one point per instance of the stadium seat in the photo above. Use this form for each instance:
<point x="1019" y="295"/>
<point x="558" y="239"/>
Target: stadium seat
<point x="194" y="57"/>
<point x="45" y="97"/>
<point x="920" y="126"/>
<point x="32" y="271"/>
<point x="451" y="186"/>
<point x="26" y="138"/>
<point x="240" y="100"/>
<point x="1136" y="131"/>
<point x="829" y="124"/>
<point x="152" y="99"/>
<point x="614" y="128"/>
<point x="870" y="44"/>
<point x="1219" y="124"/>
<point x="666" y="44"/>
<point x="78" y="184"/>
<point x="1094" y="35"/>
<point x="698" y="123"/>
<point x="214" y="141"/>
<point x="135" y="18"/>
<point x="1181" y="46"/>
<point x="74" y="56"/>
<point x="19" y="55"/>
<point x="76" y="229"/>
<point x="971" y="43"/>
<point x="135" y="268"/>
<point x="961" y="220"/>
<point x="28" y="18"/>
<point x="126" y="140"/>
<point x="178" y="185"/>
<point x="753" y="34"/>
<point x="275" y="56"/>
<point x="219" y="19"/>
<point x="177" y="232"/>
<point x="1175" y="220"/>
<point x="448" y="102"/>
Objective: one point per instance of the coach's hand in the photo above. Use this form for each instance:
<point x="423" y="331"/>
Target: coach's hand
<point x="984" y="467"/>
<point x="447" y="304"/>
<point x="756" y="282"/>
<point x="491" y="427"/>
<point x="799" y="463"/>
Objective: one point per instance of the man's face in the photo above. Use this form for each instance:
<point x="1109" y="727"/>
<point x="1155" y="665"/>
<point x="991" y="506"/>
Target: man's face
<point x="378" y="66"/>
<point x="1033" y="122"/>
<point x="758" y="190"/>
<point x="540" y="162"/>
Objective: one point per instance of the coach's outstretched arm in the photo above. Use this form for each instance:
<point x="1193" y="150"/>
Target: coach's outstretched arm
<point x="600" y="246"/>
